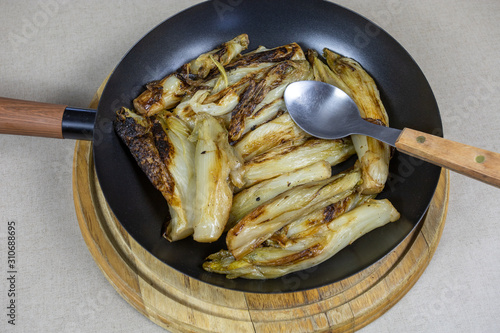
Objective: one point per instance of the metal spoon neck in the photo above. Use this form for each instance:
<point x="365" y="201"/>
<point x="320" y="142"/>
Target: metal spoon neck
<point x="387" y="135"/>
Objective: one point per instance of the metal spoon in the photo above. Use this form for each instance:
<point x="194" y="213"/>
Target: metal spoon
<point x="327" y="112"/>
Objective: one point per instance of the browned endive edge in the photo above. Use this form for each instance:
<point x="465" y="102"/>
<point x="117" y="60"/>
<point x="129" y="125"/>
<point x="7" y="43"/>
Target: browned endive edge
<point x="31" y="118"/>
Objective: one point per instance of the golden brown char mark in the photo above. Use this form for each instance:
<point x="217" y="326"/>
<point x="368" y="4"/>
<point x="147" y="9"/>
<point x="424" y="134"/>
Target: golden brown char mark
<point x="282" y="53"/>
<point x="294" y="257"/>
<point x="161" y="95"/>
<point x="166" y="152"/>
<point x="253" y="95"/>
<point x="168" y="92"/>
<point x="138" y="137"/>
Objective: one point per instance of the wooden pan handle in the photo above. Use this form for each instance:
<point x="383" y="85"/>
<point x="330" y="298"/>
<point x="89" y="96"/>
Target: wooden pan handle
<point x="31" y="118"/>
<point x="474" y="162"/>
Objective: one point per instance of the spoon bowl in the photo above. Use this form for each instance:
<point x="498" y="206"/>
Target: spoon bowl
<point x="315" y="106"/>
<point x="327" y="112"/>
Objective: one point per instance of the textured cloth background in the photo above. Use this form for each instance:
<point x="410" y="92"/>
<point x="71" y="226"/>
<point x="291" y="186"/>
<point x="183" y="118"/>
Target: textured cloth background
<point x="69" y="47"/>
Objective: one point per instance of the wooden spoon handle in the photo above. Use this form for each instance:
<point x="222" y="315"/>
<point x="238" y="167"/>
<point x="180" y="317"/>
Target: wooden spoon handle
<point x="31" y="118"/>
<point x="470" y="161"/>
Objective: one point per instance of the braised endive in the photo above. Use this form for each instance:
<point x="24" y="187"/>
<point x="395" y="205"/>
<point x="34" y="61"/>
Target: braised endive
<point x="177" y="153"/>
<point x="216" y="167"/>
<point x="263" y="101"/>
<point x="348" y="75"/>
<point x="249" y="199"/>
<point x="306" y="249"/>
<point x="286" y="158"/>
<point x="261" y="93"/>
<point x="161" y="147"/>
<point x="257" y="226"/>
<point x="271" y="134"/>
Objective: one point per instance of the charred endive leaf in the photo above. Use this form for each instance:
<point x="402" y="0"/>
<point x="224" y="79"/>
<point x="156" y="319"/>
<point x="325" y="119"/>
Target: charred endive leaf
<point x="177" y="153"/>
<point x="220" y="102"/>
<point x="219" y="96"/>
<point x="301" y="71"/>
<point x="236" y="78"/>
<point x="348" y="75"/>
<point x="161" y="95"/>
<point x="278" y="54"/>
<point x="323" y="73"/>
<point x="247" y="200"/>
<point x="224" y="101"/>
<point x="287" y="158"/>
<point x="216" y="166"/>
<point x="265" y="113"/>
<point x="161" y="149"/>
<point x="318" y="244"/>
<point x="269" y="135"/>
<point x="219" y="108"/>
<point x="306" y="226"/>
<point x="169" y="91"/>
<point x="135" y="132"/>
<point x="239" y="79"/>
<point x="222" y="55"/>
<point x="253" y="95"/>
<point x="260" y="224"/>
<point x="262" y="100"/>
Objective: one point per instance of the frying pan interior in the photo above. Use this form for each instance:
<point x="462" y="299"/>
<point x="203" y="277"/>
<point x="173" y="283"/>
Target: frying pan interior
<point x="313" y="24"/>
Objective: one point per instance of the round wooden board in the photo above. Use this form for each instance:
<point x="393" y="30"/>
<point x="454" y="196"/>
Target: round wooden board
<point x="181" y="304"/>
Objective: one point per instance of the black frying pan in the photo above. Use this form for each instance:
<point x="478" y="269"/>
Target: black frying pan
<point x="313" y="24"/>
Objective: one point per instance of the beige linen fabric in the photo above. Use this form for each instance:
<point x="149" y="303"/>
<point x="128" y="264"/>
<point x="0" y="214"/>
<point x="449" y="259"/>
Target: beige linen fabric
<point x="68" y="48"/>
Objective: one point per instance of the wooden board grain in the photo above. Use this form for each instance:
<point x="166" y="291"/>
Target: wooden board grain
<point x="181" y="304"/>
